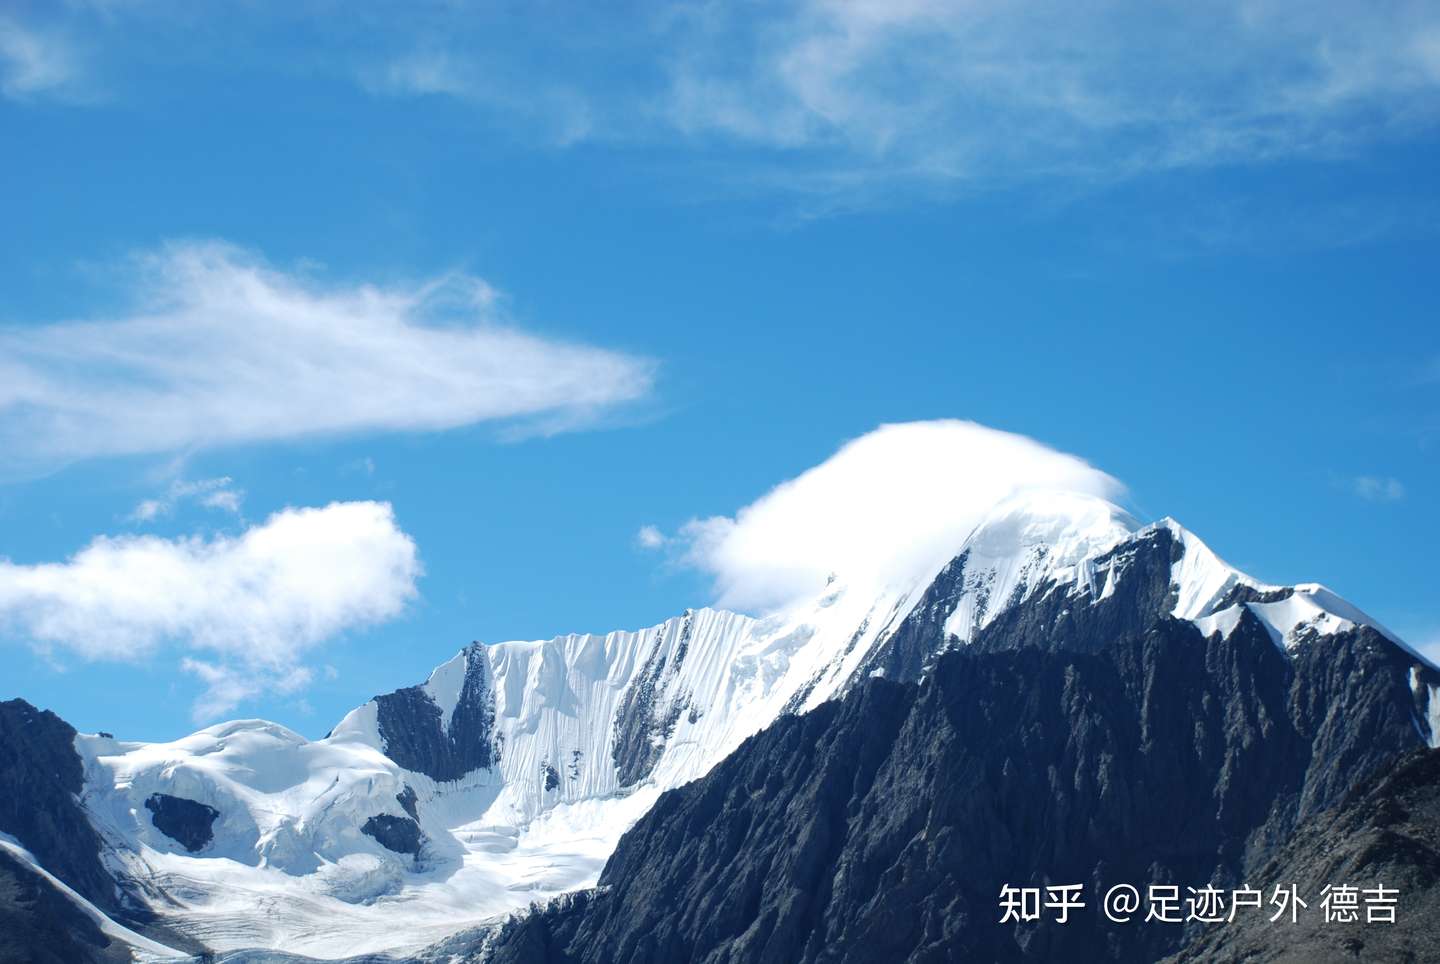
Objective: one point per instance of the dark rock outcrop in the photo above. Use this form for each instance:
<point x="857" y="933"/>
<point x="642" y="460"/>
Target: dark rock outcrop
<point x="649" y="712"/>
<point x="1091" y="748"/>
<point x="187" y="822"/>
<point x="40" y="925"/>
<point x="400" y="834"/>
<point x="1384" y="833"/>
<point x="408" y="802"/>
<point x="410" y="725"/>
<point x="42" y="776"/>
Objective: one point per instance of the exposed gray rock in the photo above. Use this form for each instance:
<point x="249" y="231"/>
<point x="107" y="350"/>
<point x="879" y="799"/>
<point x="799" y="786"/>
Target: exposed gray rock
<point x="40" y="925"/>
<point x="41" y="776"/>
<point x="648" y="715"/>
<point x="409" y="724"/>
<point x="1074" y="741"/>
<point x="187" y="822"/>
<point x="400" y="834"/>
<point x="408" y="802"/>
<point x="1386" y="832"/>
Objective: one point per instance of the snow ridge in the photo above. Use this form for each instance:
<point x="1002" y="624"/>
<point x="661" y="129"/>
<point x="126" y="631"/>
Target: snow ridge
<point x="586" y="731"/>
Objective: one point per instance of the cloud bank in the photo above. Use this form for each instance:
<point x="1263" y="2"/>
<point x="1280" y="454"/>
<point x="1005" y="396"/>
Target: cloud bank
<point x="244" y="610"/>
<point x="884" y="510"/>
<point x="224" y="349"/>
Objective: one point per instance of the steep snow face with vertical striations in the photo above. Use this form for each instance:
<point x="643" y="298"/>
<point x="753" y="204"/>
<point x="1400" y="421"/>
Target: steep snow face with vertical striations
<point x="511" y="772"/>
<point x="573" y="718"/>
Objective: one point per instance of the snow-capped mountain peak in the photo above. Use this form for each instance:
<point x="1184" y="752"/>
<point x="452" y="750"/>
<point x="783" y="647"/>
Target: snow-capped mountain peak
<point x="1032" y="540"/>
<point x="511" y="772"/>
<point x="1214" y="595"/>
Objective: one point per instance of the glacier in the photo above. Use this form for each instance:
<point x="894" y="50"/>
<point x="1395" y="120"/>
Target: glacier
<point x="521" y="763"/>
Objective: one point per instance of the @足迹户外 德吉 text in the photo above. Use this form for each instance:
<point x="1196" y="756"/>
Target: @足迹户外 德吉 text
<point x="1164" y="904"/>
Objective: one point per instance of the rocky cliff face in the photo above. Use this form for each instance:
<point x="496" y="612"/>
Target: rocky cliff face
<point x="41" y="776"/>
<point x="38" y="925"/>
<point x="648" y="714"/>
<point x="1083" y="736"/>
<point x="1073" y="698"/>
<point x="1384" y="833"/>
<point x="418" y="735"/>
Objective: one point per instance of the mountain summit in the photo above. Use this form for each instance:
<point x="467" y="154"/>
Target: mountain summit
<point x="512" y="772"/>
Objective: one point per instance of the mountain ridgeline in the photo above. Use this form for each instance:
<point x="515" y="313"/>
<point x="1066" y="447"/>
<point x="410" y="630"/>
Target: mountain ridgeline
<point x="1087" y="741"/>
<point x="1072" y="698"/>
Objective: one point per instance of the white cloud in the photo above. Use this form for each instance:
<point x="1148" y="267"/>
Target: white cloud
<point x="226" y="500"/>
<point x="847" y="93"/>
<point x="565" y="112"/>
<point x="361" y="466"/>
<point x="243" y="610"/>
<point x="1378" y="488"/>
<point x="33" y="64"/>
<point x="423" y="73"/>
<point x="217" y="493"/>
<point x="847" y="96"/>
<point x="960" y="89"/>
<point x="650" y="537"/>
<point x="224" y="349"/>
<point x="884" y="509"/>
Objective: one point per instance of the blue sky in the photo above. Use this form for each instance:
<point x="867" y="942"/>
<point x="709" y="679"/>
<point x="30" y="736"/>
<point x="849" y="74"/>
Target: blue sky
<point x="534" y="278"/>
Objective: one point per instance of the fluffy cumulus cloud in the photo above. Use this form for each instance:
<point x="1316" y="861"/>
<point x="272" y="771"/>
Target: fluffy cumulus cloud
<point x="222" y="348"/>
<point x="886" y="508"/>
<point x="243" y="611"/>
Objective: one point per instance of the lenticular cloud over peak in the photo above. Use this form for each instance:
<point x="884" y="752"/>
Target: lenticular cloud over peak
<point x="884" y="510"/>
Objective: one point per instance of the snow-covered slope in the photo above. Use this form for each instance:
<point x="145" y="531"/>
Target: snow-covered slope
<point x="510" y="773"/>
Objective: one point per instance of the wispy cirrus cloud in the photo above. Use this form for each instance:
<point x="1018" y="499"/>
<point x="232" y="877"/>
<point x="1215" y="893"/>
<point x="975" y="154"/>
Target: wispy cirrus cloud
<point x="219" y="493"/>
<point x="844" y="93"/>
<point x="837" y="97"/>
<point x="241" y="612"/>
<point x="35" y="64"/>
<point x="1377" y="488"/>
<point x="221" y="348"/>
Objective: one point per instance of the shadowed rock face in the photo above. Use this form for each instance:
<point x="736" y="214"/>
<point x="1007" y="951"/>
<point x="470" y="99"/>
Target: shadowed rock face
<point x="1387" y="832"/>
<point x="408" y="802"/>
<point x="1095" y="744"/>
<point x="400" y="834"/>
<point x="410" y="724"/>
<point x="187" y="822"/>
<point x="43" y="774"/>
<point x="39" y="925"/>
<point x="646" y="720"/>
